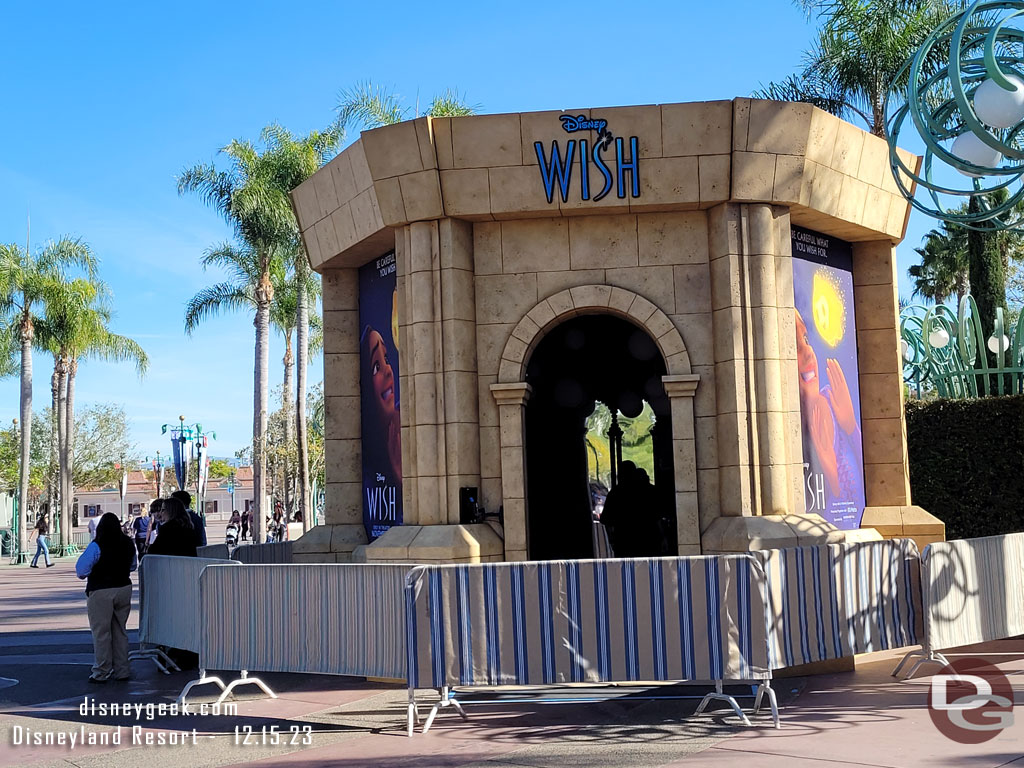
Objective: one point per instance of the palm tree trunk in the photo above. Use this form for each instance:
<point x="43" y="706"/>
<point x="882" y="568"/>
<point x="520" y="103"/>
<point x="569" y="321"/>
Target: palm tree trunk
<point x="62" y="448"/>
<point x="302" y="357"/>
<point x="53" y="468"/>
<point x="69" y="438"/>
<point x="259" y="427"/>
<point x="289" y="427"/>
<point x="26" y="430"/>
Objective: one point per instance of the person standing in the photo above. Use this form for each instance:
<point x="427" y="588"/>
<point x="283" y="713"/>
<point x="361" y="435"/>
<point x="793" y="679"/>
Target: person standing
<point x="92" y="529"/>
<point x="106" y="566"/>
<point x="175" y="536"/>
<point x="41" y="531"/>
<point x="243" y="523"/>
<point x="197" y="522"/>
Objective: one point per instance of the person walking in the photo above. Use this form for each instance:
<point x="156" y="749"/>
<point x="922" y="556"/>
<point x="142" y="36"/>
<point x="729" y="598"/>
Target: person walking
<point x="140" y="530"/>
<point x="244" y="519"/>
<point x="41" y="531"/>
<point x="106" y="566"/>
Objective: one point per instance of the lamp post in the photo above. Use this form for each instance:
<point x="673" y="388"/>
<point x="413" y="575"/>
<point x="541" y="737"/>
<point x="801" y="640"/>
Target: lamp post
<point x="190" y="442"/>
<point x="158" y="472"/>
<point x="231" y="488"/>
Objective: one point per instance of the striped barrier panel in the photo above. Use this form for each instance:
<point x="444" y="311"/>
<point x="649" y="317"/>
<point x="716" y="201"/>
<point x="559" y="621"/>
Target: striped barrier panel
<point x="274" y="552"/>
<point x="315" y="618"/>
<point x="587" y="621"/>
<point x="214" y="552"/>
<point x="170" y="610"/>
<point x="973" y="593"/>
<point x="837" y="600"/>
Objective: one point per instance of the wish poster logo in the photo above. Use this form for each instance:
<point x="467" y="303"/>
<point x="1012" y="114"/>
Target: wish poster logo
<point x="378" y="390"/>
<point x="826" y="346"/>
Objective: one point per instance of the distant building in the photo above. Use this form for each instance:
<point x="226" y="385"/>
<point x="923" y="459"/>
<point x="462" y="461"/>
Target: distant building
<point x="93" y="502"/>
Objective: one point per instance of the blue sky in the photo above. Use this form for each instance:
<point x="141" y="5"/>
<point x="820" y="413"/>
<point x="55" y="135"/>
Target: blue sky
<point x="106" y="102"/>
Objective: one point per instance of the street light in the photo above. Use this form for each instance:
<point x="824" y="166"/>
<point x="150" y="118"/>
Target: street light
<point x="189" y="441"/>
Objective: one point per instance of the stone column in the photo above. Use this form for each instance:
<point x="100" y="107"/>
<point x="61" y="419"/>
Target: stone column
<point x="886" y="470"/>
<point x="759" y="444"/>
<point x="343" y="529"/>
<point x="511" y="400"/>
<point x="680" y="390"/>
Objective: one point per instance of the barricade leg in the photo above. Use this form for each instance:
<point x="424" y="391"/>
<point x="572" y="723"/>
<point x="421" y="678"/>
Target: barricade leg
<point x="414" y="712"/>
<point x="762" y="689"/>
<point x="718" y="694"/>
<point x="163" y="662"/>
<point x="932" y="657"/>
<point x="446" y="701"/>
<point x="203" y="680"/>
<point x="246" y="680"/>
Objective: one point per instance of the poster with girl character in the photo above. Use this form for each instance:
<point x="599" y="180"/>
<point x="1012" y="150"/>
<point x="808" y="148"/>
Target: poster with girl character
<point x="381" y="430"/>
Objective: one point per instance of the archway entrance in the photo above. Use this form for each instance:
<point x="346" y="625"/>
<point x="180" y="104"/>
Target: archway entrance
<point x="582" y="363"/>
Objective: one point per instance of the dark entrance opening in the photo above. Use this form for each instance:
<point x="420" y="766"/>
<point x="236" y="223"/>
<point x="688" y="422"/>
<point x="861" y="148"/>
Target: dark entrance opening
<point x="583" y="362"/>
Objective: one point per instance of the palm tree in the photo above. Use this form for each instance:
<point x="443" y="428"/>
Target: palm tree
<point x="943" y="270"/>
<point x="372" y="106"/>
<point x="298" y="159"/>
<point x="91" y="337"/>
<point x="859" y="55"/>
<point x="284" y="318"/>
<point x="28" y="280"/>
<point x="249" y="287"/>
<point x="252" y="196"/>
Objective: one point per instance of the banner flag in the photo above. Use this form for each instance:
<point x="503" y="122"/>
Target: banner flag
<point x="204" y="465"/>
<point x="180" y="451"/>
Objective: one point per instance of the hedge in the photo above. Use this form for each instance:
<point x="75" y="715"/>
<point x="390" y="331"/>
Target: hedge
<point x="967" y="463"/>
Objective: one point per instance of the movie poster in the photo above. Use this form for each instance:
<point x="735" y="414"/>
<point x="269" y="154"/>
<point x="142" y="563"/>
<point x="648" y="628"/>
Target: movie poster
<point x="826" y="344"/>
<point x="378" y="388"/>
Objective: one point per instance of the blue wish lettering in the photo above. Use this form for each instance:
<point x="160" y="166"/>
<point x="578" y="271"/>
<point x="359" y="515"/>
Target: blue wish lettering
<point x="571" y="123"/>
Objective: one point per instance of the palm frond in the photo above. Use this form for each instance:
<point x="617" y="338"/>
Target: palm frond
<point x="369" y="106"/>
<point x="213" y="299"/>
<point x="450" y="103"/>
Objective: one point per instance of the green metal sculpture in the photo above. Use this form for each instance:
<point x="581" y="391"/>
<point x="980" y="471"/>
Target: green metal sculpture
<point x="946" y="351"/>
<point x="965" y="97"/>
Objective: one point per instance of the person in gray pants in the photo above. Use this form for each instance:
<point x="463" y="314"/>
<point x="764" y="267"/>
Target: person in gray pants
<point x="106" y="566"/>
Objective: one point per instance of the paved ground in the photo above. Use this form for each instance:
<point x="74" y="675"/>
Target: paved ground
<point x="863" y="718"/>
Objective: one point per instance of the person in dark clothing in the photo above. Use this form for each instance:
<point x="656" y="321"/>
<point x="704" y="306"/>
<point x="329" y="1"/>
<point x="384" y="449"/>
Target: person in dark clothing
<point x="244" y="521"/>
<point x="618" y="509"/>
<point x="648" y="538"/>
<point x="175" y="535"/>
<point x="197" y="522"/>
<point x="631" y="515"/>
<point x="106" y="566"/>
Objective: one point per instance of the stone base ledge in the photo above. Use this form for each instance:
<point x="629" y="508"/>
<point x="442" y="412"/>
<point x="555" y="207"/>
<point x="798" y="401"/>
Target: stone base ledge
<point x="328" y="544"/>
<point x="909" y="522"/>
<point x="745" y="534"/>
<point x="431" y="544"/>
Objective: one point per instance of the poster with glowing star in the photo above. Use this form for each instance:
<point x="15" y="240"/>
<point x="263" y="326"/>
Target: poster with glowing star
<point x="826" y="346"/>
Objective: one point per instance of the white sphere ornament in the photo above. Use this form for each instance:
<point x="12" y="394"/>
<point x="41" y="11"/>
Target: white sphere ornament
<point x="971" y="149"/>
<point x="994" y="346"/>
<point x="998" y="107"/>
<point x="908" y="355"/>
<point x="938" y="338"/>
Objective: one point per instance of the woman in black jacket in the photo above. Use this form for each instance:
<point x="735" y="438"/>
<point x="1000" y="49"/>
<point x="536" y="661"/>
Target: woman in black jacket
<point x="106" y="565"/>
<point x="175" y="535"/>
